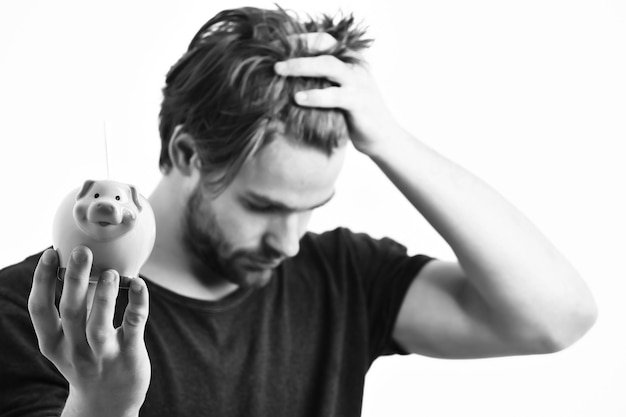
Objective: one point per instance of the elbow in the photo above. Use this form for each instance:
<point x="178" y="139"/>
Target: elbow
<point x="570" y="328"/>
<point x="568" y="317"/>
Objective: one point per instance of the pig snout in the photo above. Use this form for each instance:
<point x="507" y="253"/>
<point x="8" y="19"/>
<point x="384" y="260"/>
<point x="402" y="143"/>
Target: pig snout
<point x="105" y="213"/>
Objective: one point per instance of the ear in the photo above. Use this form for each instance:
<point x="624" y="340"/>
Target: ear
<point x="86" y="186"/>
<point x="182" y="150"/>
<point x="135" y="196"/>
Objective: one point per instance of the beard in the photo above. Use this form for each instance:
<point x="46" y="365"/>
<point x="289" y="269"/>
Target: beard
<point x="215" y="256"/>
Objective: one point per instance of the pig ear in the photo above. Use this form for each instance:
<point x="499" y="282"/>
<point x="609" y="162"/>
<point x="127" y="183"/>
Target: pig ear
<point x="135" y="196"/>
<point x="86" y="186"/>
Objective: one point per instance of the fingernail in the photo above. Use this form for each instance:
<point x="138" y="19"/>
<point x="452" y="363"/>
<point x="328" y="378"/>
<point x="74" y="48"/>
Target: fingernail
<point x="301" y="96"/>
<point x="109" y="276"/>
<point x="48" y="257"/>
<point x="79" y="255"/>
<point x="135" y="285"/>
<point x="280" y="67"/>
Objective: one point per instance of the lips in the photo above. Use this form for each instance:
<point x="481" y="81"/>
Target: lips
<point x="256" y="263"/>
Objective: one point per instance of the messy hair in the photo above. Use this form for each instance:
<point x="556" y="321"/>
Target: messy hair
<point x="225" y="94"/>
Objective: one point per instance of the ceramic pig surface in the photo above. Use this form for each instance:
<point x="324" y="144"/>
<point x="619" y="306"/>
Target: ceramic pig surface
<point x="110" y="218"/>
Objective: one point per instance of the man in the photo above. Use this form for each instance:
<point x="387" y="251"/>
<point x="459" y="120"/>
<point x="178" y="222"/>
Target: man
<point x="250" y="315"/>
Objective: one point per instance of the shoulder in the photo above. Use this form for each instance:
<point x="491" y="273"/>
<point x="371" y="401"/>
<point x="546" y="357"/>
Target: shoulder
<point x="342" y="237"/>
<point x="345" y="249"/>
<point x="342" y="242"/>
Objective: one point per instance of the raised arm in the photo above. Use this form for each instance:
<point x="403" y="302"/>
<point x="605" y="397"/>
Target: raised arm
<point x="511" y="291"/>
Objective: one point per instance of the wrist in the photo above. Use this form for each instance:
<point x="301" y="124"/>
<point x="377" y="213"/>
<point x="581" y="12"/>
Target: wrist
<point x="387" y="145"/>
<point x="78" y="404"/>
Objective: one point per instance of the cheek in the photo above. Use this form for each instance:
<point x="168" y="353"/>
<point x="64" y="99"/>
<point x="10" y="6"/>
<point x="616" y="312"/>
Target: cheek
<point x="80" y="209"/>
<point x="240" y="227"/>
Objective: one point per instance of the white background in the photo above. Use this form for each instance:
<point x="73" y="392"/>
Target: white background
<point x="531" y="96"/>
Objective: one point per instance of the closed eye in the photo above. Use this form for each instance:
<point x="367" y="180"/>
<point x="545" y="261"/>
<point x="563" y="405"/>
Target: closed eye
<point x="261" y="204"/>
<point x="268" y="209"/>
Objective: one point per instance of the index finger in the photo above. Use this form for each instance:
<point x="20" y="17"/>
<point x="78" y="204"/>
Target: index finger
<point x="43" y="312"/>
<point x="317" y="41"/>
<point x="324" y="66"/>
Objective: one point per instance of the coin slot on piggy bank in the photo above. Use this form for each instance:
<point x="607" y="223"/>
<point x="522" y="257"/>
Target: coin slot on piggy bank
<point x="113" y="220"/>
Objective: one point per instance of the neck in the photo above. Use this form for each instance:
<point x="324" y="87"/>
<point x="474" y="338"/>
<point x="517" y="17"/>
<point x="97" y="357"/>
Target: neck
<point x="171" y="264"/>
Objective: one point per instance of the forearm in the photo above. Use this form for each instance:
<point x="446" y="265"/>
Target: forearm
<point x="520" y="275"/>
<point x="486" y="232"/>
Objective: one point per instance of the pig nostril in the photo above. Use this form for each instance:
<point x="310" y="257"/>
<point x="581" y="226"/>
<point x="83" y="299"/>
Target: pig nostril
<point x="105" y="206"/>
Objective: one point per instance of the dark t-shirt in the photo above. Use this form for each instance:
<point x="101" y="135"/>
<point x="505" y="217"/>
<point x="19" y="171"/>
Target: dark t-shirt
<point x="300" y="346"/>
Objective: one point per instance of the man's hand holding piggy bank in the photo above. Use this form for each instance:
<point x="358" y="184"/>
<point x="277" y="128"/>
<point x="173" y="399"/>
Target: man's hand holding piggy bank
<point x="102" y="231"/>
<point x="110" y="218"/>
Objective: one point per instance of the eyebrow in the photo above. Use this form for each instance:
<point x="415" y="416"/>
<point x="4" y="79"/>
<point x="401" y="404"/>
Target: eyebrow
<point x="261" y="199"/>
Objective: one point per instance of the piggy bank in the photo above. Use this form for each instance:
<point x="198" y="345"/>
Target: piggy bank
<point x="110" y="218"/>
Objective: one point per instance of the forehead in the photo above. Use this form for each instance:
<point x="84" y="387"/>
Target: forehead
<point x="109" y="187"/>
<point x="297" y="175"/>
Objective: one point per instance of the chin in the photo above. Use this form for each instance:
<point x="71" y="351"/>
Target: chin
<point x="252" y="279"/>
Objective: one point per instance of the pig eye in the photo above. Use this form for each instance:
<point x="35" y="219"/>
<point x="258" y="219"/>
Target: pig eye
<point x="117" y="197"/>
<point x="96" y="195"/>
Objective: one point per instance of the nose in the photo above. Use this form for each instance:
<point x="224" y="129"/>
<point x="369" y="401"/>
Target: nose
<point x="284" y="235"/>
<point x="105" y="207"/>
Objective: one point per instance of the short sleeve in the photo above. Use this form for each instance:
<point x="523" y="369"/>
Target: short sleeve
<point x="383" y="270"/>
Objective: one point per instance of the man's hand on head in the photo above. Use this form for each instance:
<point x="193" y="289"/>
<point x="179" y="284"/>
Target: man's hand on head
<point x="356" y="92"/>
